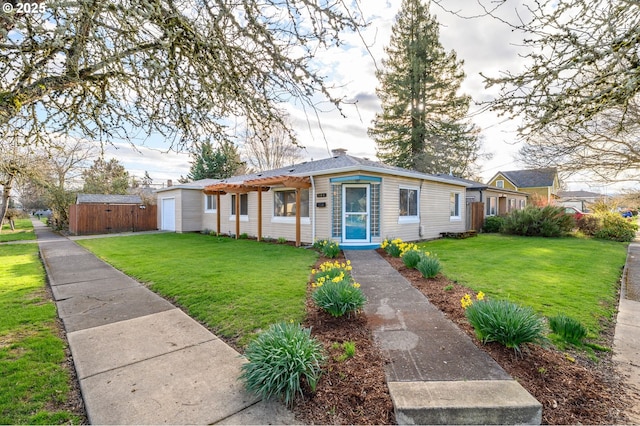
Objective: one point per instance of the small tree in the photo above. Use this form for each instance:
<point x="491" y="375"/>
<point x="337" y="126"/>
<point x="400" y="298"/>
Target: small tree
<point x="215" y="163"/>
<point x="106" y="177"/>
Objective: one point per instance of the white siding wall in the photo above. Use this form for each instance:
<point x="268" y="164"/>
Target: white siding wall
<point x="323" y="214"/>
<point x="191" y="208"/>
<point x="436" y="216"/>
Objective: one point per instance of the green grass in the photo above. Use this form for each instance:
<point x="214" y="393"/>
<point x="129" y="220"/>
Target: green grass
<point x="33" y="377"/>
<point x="236" y="287"/>
<point x="571" y="276"/>
<point x="23" y="231"/>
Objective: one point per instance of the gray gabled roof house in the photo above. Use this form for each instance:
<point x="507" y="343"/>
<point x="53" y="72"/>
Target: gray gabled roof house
<point x="542" y="185"/>
<point x="354" y="201"/>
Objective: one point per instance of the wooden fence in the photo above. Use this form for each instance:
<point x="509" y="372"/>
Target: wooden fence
<point x="475" y="216"/>
<point x="85" y="219"/>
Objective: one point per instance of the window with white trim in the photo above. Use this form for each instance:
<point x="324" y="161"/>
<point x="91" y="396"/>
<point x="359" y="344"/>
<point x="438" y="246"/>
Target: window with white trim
<point x="512" y="204"/>
<point x="244" y="204"/>
<point x="284" y="203"/>
<point x="408" y="202"/>
<point x="492" y="202"/>
<point x="522" y="204"/>
<point x="454" y="205"/>
<point x="210" y="204"/>
<point x="500" y="183"/>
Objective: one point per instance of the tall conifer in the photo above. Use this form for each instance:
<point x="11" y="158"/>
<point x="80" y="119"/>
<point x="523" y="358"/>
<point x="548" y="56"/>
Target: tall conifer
<point x="423" y="123"/>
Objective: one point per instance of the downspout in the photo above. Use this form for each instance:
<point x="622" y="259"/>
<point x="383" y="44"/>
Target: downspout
<point x="420" y="209"/>
<point x="313" y="210"/>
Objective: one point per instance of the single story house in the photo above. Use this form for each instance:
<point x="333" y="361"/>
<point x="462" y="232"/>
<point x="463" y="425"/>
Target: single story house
<point x="581" y="200"/>
<point x="540" y="184"/>
<point x="354" y="201"/>
<point x="495" y="201"/>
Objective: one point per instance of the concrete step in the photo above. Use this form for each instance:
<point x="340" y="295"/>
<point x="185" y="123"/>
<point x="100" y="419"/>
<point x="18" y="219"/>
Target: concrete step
<point x="486" y="402"/>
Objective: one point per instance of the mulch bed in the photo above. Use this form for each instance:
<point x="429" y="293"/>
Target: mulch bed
<point x="572" y="388"/>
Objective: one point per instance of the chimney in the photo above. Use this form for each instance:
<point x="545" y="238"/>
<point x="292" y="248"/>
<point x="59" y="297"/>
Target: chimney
<point x="169" y="183"/>
<point x="338" y="152"/>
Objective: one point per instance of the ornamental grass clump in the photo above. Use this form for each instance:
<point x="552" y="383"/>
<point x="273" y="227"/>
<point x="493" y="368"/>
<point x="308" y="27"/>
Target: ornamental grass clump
<point x="507" y="323"/>
<point x="336" y="292"/>
<point x="568" y="328"/>
<point x="429" y="266"/>
<point x="280" y="359"/>
<point x="411" y="258"/>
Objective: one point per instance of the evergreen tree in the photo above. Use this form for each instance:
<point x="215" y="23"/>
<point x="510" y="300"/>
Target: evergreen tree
<point x="422" y="125"/>
<point x="106" y="178"/>
<point x="215" y="163"/>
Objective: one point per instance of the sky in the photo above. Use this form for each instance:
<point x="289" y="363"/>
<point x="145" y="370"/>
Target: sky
<point x="484" y="44"/>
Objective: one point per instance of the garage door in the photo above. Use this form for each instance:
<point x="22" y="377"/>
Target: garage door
<point x="168" y="214"/>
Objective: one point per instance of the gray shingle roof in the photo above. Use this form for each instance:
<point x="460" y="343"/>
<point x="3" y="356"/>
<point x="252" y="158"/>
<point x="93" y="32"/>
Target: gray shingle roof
<point x="108" y="199"/>
<point x="334" y="164"/>
<point x="531" y="178"/>
<point x="579" y="194"/>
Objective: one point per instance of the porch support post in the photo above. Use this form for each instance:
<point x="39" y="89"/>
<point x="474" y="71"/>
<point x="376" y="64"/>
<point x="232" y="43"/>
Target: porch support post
<point x="237" y="215"/>
<point x="218" y="212"/>
<point x="297" y="217"/>
<point x="259" y="213"/>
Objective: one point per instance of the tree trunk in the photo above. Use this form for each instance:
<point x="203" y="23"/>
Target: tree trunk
<point x="6" y="191"/>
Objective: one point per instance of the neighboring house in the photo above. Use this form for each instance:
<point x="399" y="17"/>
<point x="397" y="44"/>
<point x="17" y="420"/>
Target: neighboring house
<point x="581" y="200"/>
<point x="354" y="201"/>
<point x="542" y="184"/>
<point x="497" y="201"/>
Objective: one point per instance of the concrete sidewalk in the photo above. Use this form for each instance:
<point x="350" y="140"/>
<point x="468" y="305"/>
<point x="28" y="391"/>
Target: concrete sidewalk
<point x="436" y="374"/>
<point x="626" y="342"/>
<point x="139" y="359"/>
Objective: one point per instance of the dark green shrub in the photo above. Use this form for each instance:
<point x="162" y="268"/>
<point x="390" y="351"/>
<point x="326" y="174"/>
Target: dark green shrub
<point x="493" y="224"/>
<point x="616" y="228"/>
<point x="279" y="359"/>
<point x="589" y="224"/>
<point x="429" y="266"/>
<point x="532" y="221"/>
<point x="568" y="328"/>
<point x="338" y="297"/>
<point x="505" y="322"/>
<point x="411" y="258"/>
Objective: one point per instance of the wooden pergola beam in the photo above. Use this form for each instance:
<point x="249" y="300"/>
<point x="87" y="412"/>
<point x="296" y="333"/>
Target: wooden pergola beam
<point x="296" y="182"/>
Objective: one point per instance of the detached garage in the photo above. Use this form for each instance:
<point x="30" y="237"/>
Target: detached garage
<point x="181" y="206"/>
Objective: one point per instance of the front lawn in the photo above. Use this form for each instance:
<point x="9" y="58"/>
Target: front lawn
<point x="236" y="287"/>
<point x="573" y="276"/>
<point x="23" y="231"/>
<point x="34" y="383"/>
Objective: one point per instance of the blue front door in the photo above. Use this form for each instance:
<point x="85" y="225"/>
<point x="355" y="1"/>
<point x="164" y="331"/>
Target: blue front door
<point x="355" y="202"/>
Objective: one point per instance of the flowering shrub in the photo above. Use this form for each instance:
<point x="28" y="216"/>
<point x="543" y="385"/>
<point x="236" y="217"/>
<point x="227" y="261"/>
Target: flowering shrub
<point x="397" y="248"/>
<point x="328" y="248"/>
<point x="466" y="301"/>
<point x="335" y="290"/>
<point x="279" y="359"/>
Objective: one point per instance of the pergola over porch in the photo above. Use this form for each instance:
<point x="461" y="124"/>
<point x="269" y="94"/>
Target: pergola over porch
<point x="258" y="185"/>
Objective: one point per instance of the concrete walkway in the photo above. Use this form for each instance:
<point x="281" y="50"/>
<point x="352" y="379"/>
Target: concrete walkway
<point x="626" y="342"/>
<point x="436" y="374"/>
<point x="138" y="358"/>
